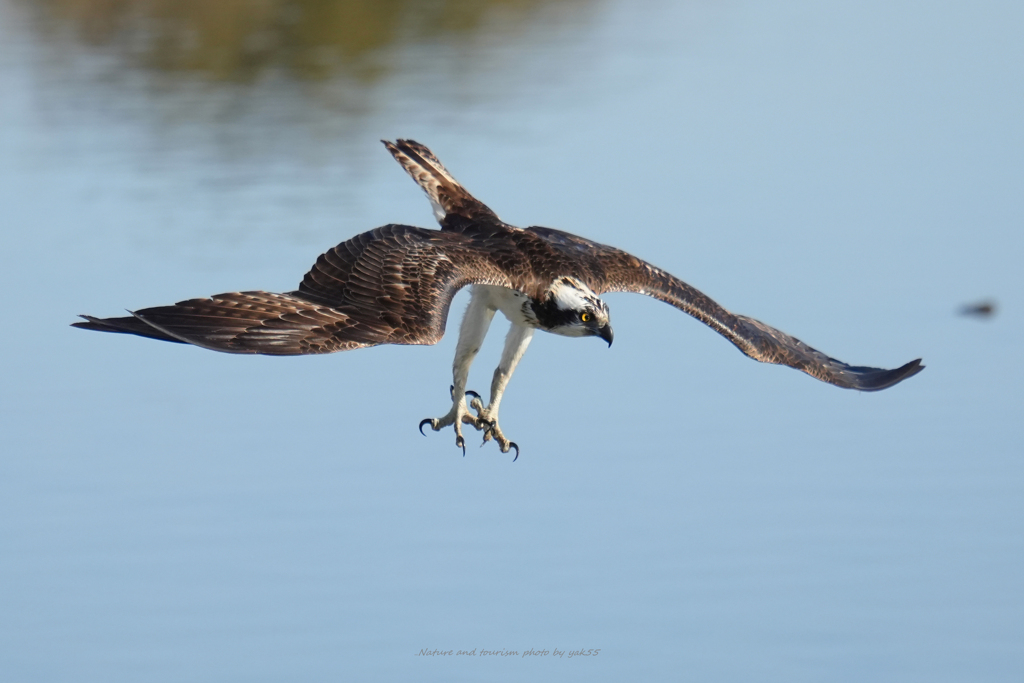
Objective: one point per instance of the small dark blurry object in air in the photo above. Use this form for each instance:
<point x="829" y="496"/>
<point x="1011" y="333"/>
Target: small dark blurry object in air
<point x="982" y="309"/>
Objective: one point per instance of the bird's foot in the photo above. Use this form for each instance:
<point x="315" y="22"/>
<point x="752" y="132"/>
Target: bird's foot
<point x="455" y="418"/>
<point x="487" y="422"/>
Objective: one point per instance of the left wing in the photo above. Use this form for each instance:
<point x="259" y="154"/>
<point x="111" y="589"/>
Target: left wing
<point x="607" y="269"/>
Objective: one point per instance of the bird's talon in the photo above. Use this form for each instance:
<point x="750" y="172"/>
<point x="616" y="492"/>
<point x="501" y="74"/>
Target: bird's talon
<point x="483" y="421"/>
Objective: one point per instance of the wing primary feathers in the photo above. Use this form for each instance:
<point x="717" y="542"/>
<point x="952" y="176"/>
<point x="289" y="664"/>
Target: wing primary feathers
<point x="763" y="342"/>
<point x="448" y="198"/>
<point x="252" y="322"/>
<point x="126" y="325"/>
<point x="769" y="345"/>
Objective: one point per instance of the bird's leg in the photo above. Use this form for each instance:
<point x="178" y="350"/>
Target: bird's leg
<point x="515" y="346"/>
<point x="471" y="334"/>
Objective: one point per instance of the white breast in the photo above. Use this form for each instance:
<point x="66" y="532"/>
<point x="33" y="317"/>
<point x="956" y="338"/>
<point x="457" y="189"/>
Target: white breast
<point x="513" y="304"/>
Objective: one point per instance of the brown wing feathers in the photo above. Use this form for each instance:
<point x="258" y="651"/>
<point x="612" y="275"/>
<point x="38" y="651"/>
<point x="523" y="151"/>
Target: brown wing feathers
<point x="618" y="271"/>
<point x="391" y="285"/>
<point x="769" y="345"/>
<point x="240" y="322"/>
<point x="400" y="280"/>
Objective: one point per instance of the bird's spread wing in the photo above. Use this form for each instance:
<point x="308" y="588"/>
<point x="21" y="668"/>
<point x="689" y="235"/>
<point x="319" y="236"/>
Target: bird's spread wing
<point x="243" y="322"/>
<point x="607" y="269"/>
<point x="392" y="285"/>
<point x="451" y="202"/>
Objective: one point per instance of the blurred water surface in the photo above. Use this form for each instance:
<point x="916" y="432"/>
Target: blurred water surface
<point x="848" y="172"/>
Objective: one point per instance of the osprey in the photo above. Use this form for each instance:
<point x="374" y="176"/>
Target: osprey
<point x="394" y="285"/>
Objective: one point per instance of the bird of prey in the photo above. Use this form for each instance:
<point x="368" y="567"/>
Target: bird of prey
<point x="394" y="285"/>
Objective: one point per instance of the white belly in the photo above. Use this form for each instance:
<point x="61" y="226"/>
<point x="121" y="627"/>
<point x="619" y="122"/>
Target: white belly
<point x="513" y="304"/>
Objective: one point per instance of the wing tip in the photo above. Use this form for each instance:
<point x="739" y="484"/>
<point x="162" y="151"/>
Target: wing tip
<point x="91" y="323"/>
<point x="98" y="324"/>
<point x="127" y="325"/>
<point x="406" y="145"/>
<point x="878" y="380"/>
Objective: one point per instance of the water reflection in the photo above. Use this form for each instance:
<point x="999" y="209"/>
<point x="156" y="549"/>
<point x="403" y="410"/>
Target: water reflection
<point x="281" y="98"/>
<point x="308" y="40"/>
<point x="298" y="83"/>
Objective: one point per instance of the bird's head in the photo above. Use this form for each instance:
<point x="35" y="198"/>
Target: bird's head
<point x="572" y="309"/>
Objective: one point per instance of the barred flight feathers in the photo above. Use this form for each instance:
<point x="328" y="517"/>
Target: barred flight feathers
<point x="391" y="285"/>
<point x="448" y="198"/>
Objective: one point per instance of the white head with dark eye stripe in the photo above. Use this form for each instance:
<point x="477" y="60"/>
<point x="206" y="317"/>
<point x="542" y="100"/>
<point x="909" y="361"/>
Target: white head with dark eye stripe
<point x="572" y="309"/>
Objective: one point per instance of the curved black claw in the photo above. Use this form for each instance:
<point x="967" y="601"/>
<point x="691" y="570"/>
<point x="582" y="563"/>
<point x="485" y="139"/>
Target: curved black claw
<point x="472" y="393"/>
<point x="427" y="421"/>
<point x="512" y="444"/>
<point x="459" y="441"/>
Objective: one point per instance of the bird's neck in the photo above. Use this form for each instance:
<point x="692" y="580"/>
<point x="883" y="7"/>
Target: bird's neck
<point x="548" y="313"/>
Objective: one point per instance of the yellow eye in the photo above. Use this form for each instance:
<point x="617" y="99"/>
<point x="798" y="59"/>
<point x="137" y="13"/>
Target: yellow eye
<point x="586" y="317"/>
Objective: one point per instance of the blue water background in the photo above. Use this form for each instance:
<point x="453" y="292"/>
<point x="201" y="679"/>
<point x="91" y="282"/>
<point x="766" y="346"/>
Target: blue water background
<point x="850" y="173"/>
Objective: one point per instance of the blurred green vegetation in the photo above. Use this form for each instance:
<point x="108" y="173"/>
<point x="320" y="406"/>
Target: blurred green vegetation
<point x="310" y="40"/>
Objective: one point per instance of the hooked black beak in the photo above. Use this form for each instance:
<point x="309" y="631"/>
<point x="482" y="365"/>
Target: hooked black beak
<point x="606" y="334"/>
